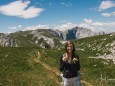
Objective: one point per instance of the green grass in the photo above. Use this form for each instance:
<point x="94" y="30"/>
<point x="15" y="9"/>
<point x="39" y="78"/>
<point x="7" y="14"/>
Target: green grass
<point x="17" y="68"/>
<point x="91" y="69"/>
<point x="93" y="44"/>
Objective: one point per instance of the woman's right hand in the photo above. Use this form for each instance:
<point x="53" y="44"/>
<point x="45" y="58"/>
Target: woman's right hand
<point x="64" y="58"/>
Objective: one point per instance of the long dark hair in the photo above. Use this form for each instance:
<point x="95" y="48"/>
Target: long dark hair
<point x="73" y="51"/>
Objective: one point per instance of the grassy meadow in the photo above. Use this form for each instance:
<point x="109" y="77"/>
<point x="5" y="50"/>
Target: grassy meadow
<point x="93" y="70"/>
<point x="17" y="68"/>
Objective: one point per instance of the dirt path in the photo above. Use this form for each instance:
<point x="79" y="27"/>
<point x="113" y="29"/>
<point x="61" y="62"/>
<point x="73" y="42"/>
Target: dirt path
<point x="56" y="72"/>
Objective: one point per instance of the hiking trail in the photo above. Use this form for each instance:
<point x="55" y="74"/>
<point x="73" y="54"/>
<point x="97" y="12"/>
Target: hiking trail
<point x="55" y="71"/>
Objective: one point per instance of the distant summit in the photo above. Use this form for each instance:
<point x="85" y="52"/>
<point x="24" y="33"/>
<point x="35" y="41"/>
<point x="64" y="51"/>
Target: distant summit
<point x="76" y="33"/>
<point x="7" y="41"/>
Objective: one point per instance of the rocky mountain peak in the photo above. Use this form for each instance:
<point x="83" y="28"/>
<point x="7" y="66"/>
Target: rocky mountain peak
<point x="75" y="33"/>
<point x="7" y="41"/>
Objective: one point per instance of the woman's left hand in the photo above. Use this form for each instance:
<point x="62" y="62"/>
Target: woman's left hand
<point x="75" y="60"/>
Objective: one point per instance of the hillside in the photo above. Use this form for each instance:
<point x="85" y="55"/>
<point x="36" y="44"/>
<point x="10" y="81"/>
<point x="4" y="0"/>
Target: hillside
<point x="35" y="38"/>
<point x="94" y="69"/>
<point x="98" y="46"/>
<point x="97" y="57"/>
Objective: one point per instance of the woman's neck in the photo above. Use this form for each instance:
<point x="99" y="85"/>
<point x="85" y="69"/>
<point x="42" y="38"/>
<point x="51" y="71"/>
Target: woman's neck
<point x="69" y="54"/>
<point x="69" y="57"/>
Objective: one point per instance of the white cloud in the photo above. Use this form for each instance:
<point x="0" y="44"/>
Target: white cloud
<point x="12" y="28"/>
<point x="61" y="27"/>
<point x="39" y="26"/>
<point x="19" y="9"/>
<point x="94" y="26"/>
<point x="97" y="23"/>
<point x="88" y="20"/>
<point x="31" y="12"/>
<point x="108" y="14"/>
<point x="15" y="27"/>
<point x="19" y="26"/>
<point x="98" y="26"/>
<point x="67" y="4"/>
<point x="65" y="26"/>
<point x="106" y="4"/>
<point x="113" y="13"/>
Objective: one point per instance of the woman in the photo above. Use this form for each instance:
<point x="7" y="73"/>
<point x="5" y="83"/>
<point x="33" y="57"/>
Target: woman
<point x="70" y="66"/>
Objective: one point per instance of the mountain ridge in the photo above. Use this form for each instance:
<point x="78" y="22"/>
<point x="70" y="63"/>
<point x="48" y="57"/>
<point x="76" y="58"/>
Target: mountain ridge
<point x="43" y="37"/>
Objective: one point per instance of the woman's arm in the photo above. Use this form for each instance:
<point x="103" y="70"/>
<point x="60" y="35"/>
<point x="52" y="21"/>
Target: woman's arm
<point x="62" y="64"/>
<point x="76" y="62"/>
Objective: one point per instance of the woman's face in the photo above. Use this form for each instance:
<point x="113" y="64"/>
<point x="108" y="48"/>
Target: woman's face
<point x="69" y="48"/>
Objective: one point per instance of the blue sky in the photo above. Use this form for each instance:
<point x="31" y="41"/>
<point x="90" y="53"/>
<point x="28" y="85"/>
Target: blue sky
<point x="96" y="15"/>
